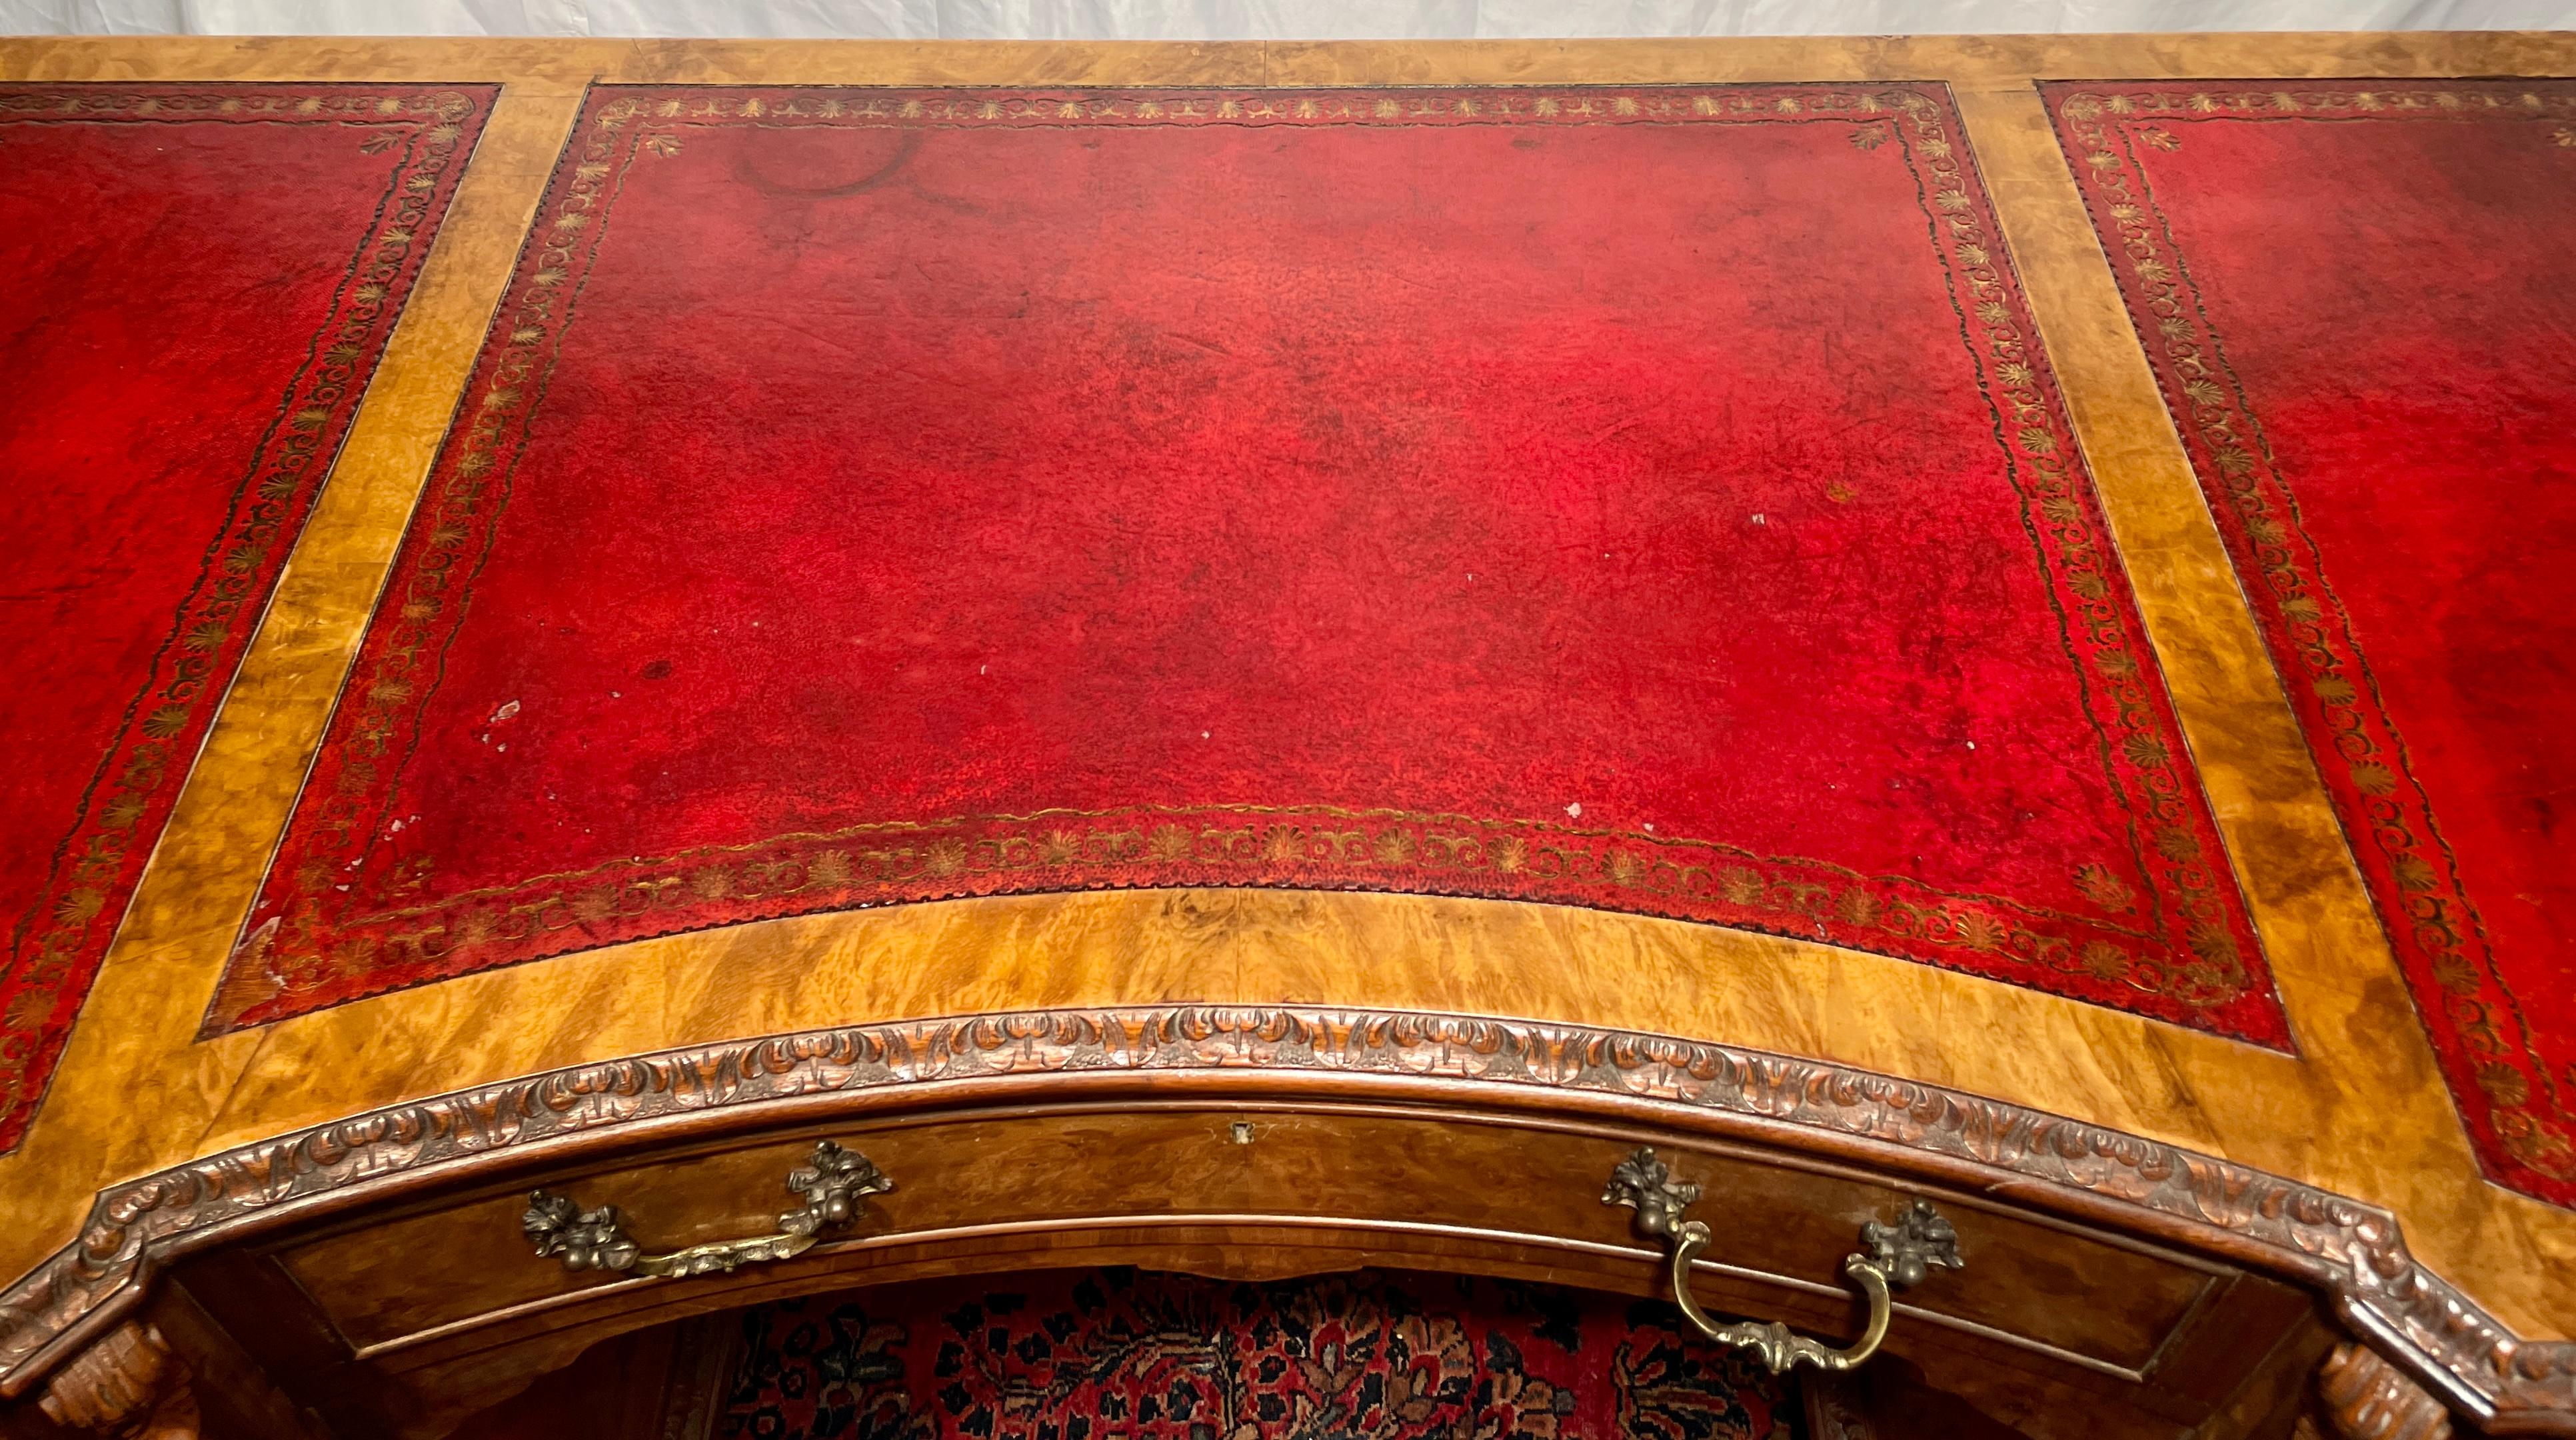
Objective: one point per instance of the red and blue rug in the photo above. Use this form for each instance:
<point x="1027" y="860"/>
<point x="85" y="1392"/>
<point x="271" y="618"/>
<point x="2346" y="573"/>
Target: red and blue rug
<point x="1092" y="1355"/>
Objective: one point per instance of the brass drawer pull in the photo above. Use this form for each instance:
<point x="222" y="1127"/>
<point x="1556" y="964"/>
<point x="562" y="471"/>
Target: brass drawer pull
<point x="835" y="1184"/>
<point x="1898" y="1255"/>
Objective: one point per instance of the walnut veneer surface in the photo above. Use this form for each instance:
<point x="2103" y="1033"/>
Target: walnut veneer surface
<point x="2360" y="1109"/>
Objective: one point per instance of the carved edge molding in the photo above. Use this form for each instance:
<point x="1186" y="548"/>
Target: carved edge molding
<point x="2351" y="1250"/>
<point x="2367" y="1399"/>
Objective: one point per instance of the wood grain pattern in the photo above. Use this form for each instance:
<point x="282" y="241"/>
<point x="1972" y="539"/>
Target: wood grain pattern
<point x="2358" y="1111"/>
<point x="277" y="703"/>
<point x="402" y="1272"/>
<point x="387" y="1286"/>
<point x="1559" y="1082"/>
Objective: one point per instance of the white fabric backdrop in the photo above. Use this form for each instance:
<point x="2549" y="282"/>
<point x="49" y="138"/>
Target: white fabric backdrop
<point x="1253" y="19"/>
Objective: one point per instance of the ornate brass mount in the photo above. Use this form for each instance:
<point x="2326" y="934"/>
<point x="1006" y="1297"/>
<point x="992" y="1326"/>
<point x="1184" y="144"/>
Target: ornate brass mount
<point x="1897" y="1255"/>
<point x="835" y="1184"/>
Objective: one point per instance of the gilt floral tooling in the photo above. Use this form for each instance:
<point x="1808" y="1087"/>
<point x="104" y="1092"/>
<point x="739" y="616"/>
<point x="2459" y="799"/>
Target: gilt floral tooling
<point x="195" y="284"/>
<point x="2361" y="300"/>
<point x="1650" y="499"/>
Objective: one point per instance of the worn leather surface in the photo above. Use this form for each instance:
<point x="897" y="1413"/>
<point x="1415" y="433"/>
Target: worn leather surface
<point x="1627" y="498"/>
<point x="2362" y="304"/>
<point x="195" y="283"/>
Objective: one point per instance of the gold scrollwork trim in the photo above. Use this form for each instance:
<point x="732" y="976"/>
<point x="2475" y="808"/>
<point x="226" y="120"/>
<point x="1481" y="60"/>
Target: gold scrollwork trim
<point x="1894" y="1255"/>
<point x="835" y="1185"/>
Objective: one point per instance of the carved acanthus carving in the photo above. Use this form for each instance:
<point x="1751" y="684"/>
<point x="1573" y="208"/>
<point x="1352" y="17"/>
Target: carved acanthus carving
<point x="2369" y="1399"/>
<point x="126" y="1385"/>
<point x="2351" y="1251"/>
<point x="1835" y="1410"/>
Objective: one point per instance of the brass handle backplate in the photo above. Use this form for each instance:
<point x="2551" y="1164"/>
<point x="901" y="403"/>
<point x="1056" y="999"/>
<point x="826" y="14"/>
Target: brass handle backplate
<point x="1895" y="1256"/>
<point x="835" y="1185"/>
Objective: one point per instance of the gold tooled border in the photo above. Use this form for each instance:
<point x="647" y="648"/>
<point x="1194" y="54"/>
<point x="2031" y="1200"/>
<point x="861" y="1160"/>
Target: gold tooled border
<point x="57" y="943"/>
<point x="2361" y="1110"/>
<point x="2204" y="968"/>
<point x="2501" y="1083"/>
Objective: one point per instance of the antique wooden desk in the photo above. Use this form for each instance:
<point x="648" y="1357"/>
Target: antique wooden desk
<point x="270" y="1148"/>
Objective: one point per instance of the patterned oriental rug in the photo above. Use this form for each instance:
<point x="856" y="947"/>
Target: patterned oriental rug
<point x="1650" y="499"/>
<point x="1089" y="1355"/>
<point x="195" y="284"/>
<point x="2362" y="305"/>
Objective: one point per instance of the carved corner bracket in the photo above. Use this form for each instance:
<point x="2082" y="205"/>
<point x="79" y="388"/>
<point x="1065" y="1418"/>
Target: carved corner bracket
<point x="127" y="1385"/>
<point x="2366" y="1398"/>
<point x="1892" y="1257"/>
